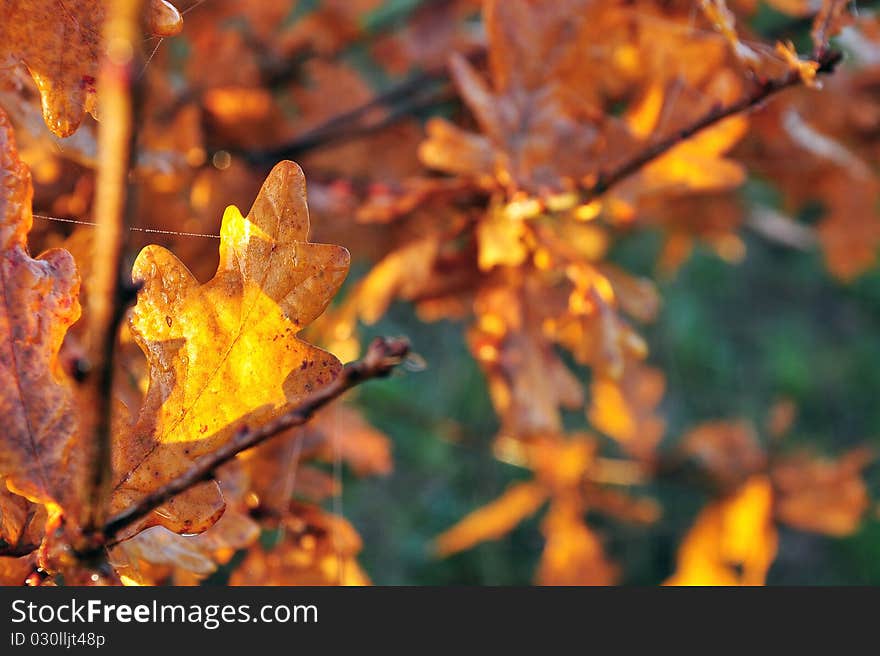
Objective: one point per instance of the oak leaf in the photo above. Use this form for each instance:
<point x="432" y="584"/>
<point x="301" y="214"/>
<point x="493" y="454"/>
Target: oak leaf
<point x="513" y="355"/>
<point x="573" y="553"/>
<point x="316" y="549"/>
<point x="38" y="456"/>
<point x="822" y="495"/>
<point x="534" y="135"/>
<point x="225" y="353"/>
<point x="494" y="520"/>
<point x="732" y="542"/>
<point x="22" y="523"/>
<point x="60" y="43"/>
<point x="626" y="409"/>
<point x="14" y="571"/>
<point x="728" y="451"/>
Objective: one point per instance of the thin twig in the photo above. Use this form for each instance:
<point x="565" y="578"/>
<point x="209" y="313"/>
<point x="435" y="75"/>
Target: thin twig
<point x="382" y="356"/>
<point x="415" y="94"/>
<point x="321" y="136"/>
<point x="827" y="16"/>
<point x="108" y="297"/>
<point x="827" y="64"/>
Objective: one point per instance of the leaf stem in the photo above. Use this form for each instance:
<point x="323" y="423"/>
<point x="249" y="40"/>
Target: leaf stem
<point x="108" y="296"/>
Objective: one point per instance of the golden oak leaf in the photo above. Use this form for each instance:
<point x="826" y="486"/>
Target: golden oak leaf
<point x="156" y="554"/>
<point x="38" y="456"/>
<point x="533" y="136"/>
<point x="821" y="495"/>
<point x="699" y="163"/>
<point x="573" y="554"/>
<point x="60" y="43"/>
<point x="398" y="275"/>
<point x="626" y="409"/>
<point x="732" y="542"/>
<point x="513" y="355"/>
<point x="225" y="353"/>
<point x="494" y="520"/>
<point x="501" y="240"/>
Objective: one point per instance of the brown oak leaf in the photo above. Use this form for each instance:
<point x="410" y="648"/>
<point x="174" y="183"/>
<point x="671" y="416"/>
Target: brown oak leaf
<point x="60" y="43"/>
<point x="225" y="353"/>
<point x="39" y="303"/>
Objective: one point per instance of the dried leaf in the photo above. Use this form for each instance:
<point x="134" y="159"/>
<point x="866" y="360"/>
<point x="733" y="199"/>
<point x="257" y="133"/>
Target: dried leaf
<point x="40" y="456"/>
<point x="821" y="495"/>
<point x="317" y="549"/>
<point x="699" y="163"/>
<point x="573" y="555"/>
<point x="494" y="520"/>
<point x="626" y="409"/>
<point x="226" y="353"/>
<point x="732" y="541"/>
<point x="60" y="43"/>
<point x="22" y="523"/>
<point x="198" y="555"/>
<point x="14" y="571"/>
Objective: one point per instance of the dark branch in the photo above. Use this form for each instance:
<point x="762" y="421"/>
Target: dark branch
<point x="115" y="205"/>
<point x="827" y="64"/>
<point x="382" y="356"/>
<point x="411" y="96"/>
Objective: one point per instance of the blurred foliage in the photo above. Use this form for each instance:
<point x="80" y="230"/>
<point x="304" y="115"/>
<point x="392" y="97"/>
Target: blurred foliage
<point x="498" y="171"/>
<point x="731" y="339"/>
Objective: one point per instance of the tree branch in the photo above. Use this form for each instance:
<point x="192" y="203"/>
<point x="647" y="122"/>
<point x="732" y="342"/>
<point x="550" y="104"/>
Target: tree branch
<point x="382" y="356"/>
<point x="414" y="94"/>
<point x="108" y="296"/>
<point x="828" y="62"/>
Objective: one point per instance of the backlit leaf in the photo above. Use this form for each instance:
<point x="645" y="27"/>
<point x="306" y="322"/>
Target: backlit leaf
<point x="225" y="353"/>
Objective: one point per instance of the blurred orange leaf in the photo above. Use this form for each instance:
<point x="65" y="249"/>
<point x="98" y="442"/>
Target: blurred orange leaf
<point x="494" y="520"/>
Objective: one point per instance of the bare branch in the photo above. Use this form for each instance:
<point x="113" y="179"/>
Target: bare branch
<point x="108" y="296"/>
<point x="411" y="96"/>
<point x="827" y="64"/>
